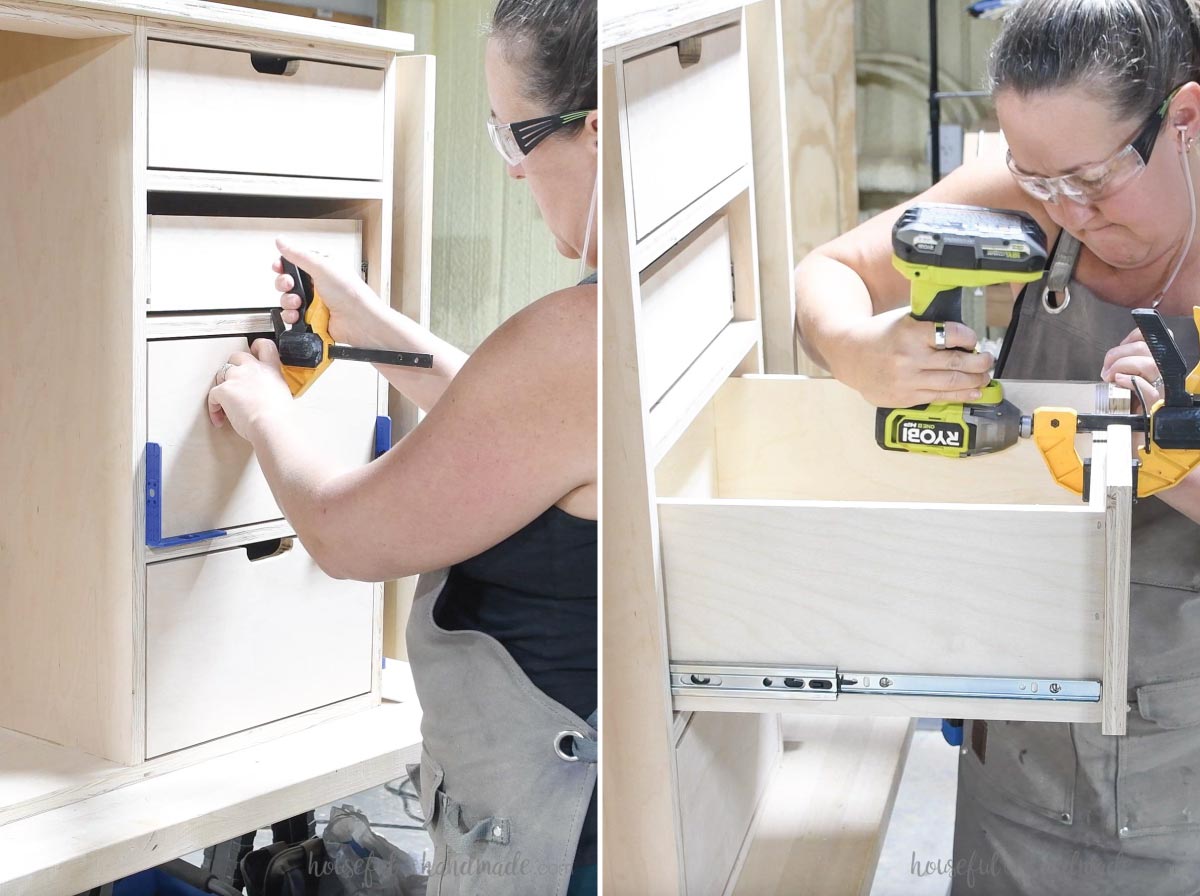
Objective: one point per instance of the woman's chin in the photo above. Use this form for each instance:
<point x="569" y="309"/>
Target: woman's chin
<point x="565" y="249"/>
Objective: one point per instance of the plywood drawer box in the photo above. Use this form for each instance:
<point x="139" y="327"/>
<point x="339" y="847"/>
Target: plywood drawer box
<point x="687" y="124"/>
<point x="211" y="263"/>
<point x="210" y="479"/>
<point x="233" y="643"/>
<point x="687" y="299"/>
<point x="227" y="110"/>
<point x="791" y="542"/>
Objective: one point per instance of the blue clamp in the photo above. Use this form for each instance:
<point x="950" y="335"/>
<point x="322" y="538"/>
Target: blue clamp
<point x="952" y="731"/>
<point x="383" y="436"/>
<point x="154" y="536"/>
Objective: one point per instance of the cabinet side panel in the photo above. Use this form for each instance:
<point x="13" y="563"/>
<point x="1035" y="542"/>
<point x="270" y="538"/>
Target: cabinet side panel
<point x="639" y="771"/>
<point x="412" y="249"/>
<point x="66" y="650"/>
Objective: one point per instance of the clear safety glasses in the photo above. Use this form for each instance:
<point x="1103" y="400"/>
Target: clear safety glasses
<point x="1100" y="181"/>
<point x="517" y="140"/>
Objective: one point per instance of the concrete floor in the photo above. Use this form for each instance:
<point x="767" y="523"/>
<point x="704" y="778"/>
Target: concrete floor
<point x="921" y="832"/>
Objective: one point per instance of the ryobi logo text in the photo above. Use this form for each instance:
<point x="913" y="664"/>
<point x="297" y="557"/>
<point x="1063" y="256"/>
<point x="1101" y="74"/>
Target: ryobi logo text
<point x="924" y="432"/>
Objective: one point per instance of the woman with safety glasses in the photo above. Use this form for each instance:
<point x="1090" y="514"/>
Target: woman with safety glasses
<point x="492" y="498"/>
<point x="1099" y="103"/>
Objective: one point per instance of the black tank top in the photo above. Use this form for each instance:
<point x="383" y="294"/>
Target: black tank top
<point x="535" y="593"/>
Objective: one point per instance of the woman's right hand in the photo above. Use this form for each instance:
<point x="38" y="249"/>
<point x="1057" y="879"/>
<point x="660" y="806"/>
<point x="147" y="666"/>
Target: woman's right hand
<point x="354" y="309"/>
<point x="891" y="359"/>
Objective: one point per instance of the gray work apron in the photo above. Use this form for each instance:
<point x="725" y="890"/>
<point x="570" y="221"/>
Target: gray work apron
<point x="506" y="772"/>
<point x="1048" y="808"/>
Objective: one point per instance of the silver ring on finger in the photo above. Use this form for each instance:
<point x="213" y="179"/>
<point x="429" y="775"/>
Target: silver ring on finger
<point x="1157" y="384"/>
<point x="222" y="372"/>
<point x="939" y="335"/>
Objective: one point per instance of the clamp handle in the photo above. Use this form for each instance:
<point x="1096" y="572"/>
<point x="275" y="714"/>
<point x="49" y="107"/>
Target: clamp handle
<point x="1167" y="356"/>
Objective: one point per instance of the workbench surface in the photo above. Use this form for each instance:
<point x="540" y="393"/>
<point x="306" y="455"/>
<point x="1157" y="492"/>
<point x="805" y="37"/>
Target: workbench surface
<point x="101" y="838"/>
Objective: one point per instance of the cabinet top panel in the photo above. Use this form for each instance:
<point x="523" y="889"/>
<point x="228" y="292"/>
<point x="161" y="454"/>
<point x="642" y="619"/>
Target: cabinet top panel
<point x="89" y="18"/>
<point x="625" y="21"/>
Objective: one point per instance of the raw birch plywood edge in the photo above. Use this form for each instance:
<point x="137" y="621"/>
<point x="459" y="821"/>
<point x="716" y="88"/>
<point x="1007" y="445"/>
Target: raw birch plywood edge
<point x="635" y="26"/>
<point x="148" y="822"/>
<point x="878" y="705"/>
<point x="639" y="754"/>
<point x="32" y="17"/>
<point x="236" y="18"/>
<point x="826" y="813"/>
<point x="1118" y="509"/>
<point x="138" y="398"/>
<point x="772" y="185"/>
<point x="412" y="251"/>
<point x="164" y="181"/>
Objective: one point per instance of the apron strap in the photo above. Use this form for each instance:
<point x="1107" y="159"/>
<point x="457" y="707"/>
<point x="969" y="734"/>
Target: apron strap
<point x="1062" y="268"/>
<point x="489" y="830"/>
<point x="583" y="748"/>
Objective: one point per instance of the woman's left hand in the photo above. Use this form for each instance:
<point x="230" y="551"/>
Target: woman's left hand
<point x="1129" y="360"/>
<point x="249" y="388"/>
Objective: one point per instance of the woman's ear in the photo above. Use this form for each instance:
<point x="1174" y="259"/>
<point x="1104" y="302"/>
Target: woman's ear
<point x="591" y="127"/>
<point x="1185" y="113"/>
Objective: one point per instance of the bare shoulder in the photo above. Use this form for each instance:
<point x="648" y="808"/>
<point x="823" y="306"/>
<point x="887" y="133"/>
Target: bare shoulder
<point x="539" y="364"/>
<point x="569" y="315"/>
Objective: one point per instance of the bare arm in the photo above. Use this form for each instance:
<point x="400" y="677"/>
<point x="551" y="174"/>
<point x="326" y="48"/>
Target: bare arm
<point x="514" y="433"/>
<point x="852" y="305"/>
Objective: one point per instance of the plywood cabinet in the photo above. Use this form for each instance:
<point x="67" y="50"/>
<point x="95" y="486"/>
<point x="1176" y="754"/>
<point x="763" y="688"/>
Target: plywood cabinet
<point x="694" y="230"/>
<point x="762" y="554"/>
<point x="149" y="153"/>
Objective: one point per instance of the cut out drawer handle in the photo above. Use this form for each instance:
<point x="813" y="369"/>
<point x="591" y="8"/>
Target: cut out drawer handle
<point x="689" y="50"/>
<point x="265" y="550"/>
<point x="266" y="64"/>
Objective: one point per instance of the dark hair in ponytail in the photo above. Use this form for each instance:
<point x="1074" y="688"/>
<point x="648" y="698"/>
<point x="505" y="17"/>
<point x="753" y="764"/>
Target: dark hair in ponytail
<point x="1130" y="52"/>
<point x="554" y="43"/>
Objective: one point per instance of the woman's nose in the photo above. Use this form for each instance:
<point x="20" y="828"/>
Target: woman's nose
<point x="516" y="172"/>
<point x="1071" y="214"/>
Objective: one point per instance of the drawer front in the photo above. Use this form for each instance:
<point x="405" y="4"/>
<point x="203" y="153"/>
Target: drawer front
<point x="211" y="110"/>
<point x="210" y="478"/>
<point x="687" y="299"/>
<point x="688" y="126"/>
<point x="909" y="588"/>
<point x="210" y="263"/>
<point x="231" y="643"/>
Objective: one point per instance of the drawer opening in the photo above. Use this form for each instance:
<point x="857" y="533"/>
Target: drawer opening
<point x="265" y="550"/>
<point x="229" y="206"/>
<point x="232" y="240"/>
